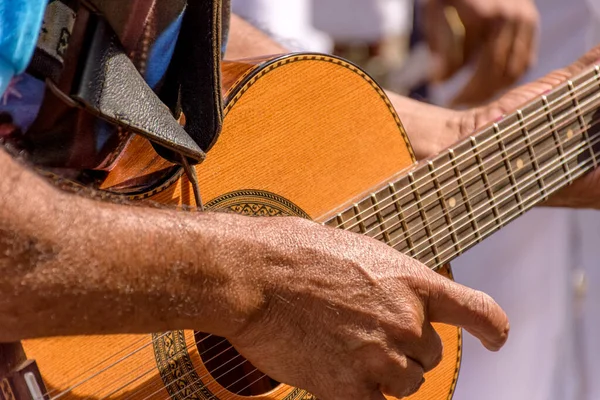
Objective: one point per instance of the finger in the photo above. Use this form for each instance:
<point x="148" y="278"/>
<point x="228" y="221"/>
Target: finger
<point x="436" y="38"/>
<point x="489" y="75"/>
<point x="445" y="37"/>
<point x="454" y="304"/>
<point x="524" y="50"/>
<point x="403" y="377"/>
<point x="428" y="350"/>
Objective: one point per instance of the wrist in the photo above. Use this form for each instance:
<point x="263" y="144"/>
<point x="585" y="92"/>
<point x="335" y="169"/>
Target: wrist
<point x="184" y="269"/>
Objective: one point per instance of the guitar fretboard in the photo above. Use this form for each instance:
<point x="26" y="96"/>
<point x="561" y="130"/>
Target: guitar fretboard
<point x="451" y="202"/>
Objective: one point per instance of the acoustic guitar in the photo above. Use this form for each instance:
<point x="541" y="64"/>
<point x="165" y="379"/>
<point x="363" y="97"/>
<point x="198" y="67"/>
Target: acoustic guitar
<point x="313" y="136"/>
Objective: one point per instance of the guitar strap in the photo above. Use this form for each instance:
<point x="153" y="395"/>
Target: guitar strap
<point x="103" y="81"/>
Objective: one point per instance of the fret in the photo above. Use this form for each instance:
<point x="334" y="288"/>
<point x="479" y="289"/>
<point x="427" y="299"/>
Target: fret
<point x="359" y="218"/>
<point x="580" y="119"/>
<point x="380" y="219"/>
<point x="532" y="155"/>
<point x="507" y="164"/>
<point x="556" y="136"/>
<point x="463" y="192"/>
<point x="443" y="205"/>
<point x="586" y="134"/>
<point x="486" y="182"/>
<point x="339" y="219"/>
<point x="423" y="215"/>
<point x="408" y="239"/>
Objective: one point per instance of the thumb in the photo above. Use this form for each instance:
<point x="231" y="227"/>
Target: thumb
<point x="475" y="311"/>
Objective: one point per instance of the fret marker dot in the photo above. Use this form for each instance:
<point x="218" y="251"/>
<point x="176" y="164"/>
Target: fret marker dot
<point x="570" y="134"/>
<point x="520" y="163"/>
<point x="452" y="202"/>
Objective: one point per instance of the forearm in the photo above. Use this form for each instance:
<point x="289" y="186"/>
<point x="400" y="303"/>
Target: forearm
<point x="247" y="41"/>
<point x="71" y="265"/>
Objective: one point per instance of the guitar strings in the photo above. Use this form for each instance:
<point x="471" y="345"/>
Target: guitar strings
<point x="524" y="125"/>
<point x="48" y="393"/>
<point x="427" y="225"/>
<point x="66" y="391"/>
<point x="504" y="159"/>
<point x="585" y="167"/>
<point x="152" y="365"/>
<point x="443" y="214"/>
<point x="541" y="191"/>
<point x="510" y="190"/>
<point x="399" y="194"/>
<point x="163" y="386"/>
<point x="529" y="117"/>
<point x="521" y="124"/>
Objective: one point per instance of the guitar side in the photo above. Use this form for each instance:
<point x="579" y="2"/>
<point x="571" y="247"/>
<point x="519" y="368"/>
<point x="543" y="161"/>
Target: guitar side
<point x="303" y="135"/>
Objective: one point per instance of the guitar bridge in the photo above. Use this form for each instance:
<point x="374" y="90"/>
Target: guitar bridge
<point x="23" y="383"/>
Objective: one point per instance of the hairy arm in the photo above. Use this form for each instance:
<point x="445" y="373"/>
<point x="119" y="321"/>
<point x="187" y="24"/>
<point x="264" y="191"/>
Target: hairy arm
<point x="430" y="128"/>
<point x="72" y="265"/>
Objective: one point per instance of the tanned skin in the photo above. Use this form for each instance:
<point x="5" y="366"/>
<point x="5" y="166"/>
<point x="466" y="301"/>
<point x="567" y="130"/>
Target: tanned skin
<point x="357" y="311"/>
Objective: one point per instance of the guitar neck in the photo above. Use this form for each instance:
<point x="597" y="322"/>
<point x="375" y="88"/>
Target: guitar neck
<point x="446" y="205"/>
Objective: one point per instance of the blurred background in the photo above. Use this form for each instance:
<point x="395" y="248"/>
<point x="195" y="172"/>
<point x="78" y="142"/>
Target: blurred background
<point x="542" y="268"/>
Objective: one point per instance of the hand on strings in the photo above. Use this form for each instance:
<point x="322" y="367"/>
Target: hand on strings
<point x="348" y="317"/>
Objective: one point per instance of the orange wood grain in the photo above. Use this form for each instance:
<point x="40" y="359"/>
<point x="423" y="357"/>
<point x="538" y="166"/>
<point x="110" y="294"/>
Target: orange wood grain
<point x="311" y="129"/>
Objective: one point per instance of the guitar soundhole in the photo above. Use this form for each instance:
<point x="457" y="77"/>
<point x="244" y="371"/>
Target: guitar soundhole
<point x="230" y="369"/>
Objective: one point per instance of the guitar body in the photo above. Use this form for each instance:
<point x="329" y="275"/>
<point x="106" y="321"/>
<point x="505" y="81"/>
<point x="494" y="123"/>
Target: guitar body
<point x="304" y="135"/>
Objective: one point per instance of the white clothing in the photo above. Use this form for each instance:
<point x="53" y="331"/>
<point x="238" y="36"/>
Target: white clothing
<point x="311" y="25"/>
<point x="288" y="21"/>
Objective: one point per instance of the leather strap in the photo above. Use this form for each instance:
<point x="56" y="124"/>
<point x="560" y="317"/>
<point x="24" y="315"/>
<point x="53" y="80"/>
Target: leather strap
<point x="96" y="74"/>
<point x="193" y="84"/>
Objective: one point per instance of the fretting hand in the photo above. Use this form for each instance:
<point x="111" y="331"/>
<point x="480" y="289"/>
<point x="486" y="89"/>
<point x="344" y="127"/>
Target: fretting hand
<point x="583" y="193"/>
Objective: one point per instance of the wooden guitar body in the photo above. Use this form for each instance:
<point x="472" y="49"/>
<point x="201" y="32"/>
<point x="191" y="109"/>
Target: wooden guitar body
<point x="305" y="135"/>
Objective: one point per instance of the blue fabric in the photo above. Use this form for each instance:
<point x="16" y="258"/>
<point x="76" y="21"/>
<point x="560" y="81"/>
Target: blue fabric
<point x="20" y="23"/>
<point x="162" y="52"/>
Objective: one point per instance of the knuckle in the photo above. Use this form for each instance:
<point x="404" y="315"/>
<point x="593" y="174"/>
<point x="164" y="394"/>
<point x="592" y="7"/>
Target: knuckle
<point x="411" y="326"/>
<point x="415" y="380"/>
<point x="405" y="381"/>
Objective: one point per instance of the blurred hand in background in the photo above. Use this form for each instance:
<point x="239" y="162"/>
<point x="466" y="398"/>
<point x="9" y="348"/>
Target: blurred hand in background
<point x="497" y="37"/>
